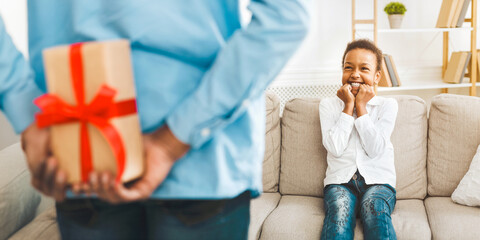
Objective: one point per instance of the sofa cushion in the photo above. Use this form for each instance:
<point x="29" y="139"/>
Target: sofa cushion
<point x="453" y="137"/>
<point x="303" y="157"/>
<point x="449" y="220"/>
<point x="409" y="139"/>
<point x="260" y="208"/>
<point x="45" y="203"/>
<point x="18" y="199"/>
<point x="42" y="227"/>
<point x="410" y="220"/>
<point x="271" y="160"/>
<point x="296" y="217"/>
<point x="299" y="217"/>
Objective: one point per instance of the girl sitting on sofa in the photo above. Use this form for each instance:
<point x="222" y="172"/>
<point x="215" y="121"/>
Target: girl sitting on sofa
<point x="356" y="128"/>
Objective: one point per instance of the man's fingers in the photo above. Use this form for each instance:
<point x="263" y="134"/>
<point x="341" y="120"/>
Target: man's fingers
<point x="48" y="180"/>
<point x="116" y="193"/>
<point x="60" y="186"/>
<point x="35" y="143"/>
<point x="140" y="190"/>
<point x="37" y="176"/>
<point x="77" y="188"/>
<point x="145" y="186"/>
<point x="37" y="184"/>
<point x="46" y="176"/>
<point x="38" y="167"/>
<point x="130" y="194"/>
<point x="94" y="183"/>
<point x="105" y="189"/>
<point x="159" y="162"/>
<point x="106" y="185"/>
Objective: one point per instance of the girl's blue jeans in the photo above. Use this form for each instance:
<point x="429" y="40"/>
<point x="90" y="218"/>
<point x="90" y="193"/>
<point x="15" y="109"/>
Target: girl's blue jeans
<point x="372" y="203"/>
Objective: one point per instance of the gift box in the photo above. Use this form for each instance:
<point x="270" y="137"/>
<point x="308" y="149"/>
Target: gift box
<point x="91" y="111"/>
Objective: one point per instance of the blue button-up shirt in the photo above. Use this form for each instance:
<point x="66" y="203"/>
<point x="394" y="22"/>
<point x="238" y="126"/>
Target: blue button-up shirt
<point x="196" y="69"/>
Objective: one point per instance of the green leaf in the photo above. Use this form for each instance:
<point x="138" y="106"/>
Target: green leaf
<point x="395" y="8"/>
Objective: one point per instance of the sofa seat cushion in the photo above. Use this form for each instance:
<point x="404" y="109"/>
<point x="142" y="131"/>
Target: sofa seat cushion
<point x="449" y="220"/>
<point x="410" y="220"/>
<point x="42" y="227"/>
<point x="260" y="208"/>
<point x="296" y="217"/>
<point x="300" y="217"/>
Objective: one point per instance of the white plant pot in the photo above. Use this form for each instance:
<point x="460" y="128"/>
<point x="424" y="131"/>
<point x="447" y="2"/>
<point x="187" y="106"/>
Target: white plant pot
<point x="395" y="20"/>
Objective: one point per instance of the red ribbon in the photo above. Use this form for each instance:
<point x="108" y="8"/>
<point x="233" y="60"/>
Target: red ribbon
<point x="98" y="113"/>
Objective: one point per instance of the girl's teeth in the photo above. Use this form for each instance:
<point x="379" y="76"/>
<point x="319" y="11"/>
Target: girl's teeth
<point x="355" y="84"/>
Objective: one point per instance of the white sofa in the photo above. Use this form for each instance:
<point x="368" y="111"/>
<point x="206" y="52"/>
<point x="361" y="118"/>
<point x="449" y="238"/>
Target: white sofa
<point x="431" y="157"/>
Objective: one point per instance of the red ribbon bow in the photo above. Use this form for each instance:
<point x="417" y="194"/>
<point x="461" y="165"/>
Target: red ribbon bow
<point x="98" y="113"/>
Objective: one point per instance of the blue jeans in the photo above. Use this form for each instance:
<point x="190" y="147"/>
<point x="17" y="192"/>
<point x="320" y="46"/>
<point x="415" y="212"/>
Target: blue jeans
<point x="343" y="202"/>
<point x="155" y="219"/>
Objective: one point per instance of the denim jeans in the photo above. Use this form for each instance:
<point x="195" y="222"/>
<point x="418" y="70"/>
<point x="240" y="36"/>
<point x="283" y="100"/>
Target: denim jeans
<point x="343" y="202"/>
<point x="155" y="219"/>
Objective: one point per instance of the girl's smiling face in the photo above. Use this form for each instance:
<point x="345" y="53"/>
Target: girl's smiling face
<point x="359" y="67"/>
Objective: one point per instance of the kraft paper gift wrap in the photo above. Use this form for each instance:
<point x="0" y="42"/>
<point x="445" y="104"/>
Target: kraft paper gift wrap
<point x="102" y="133"/>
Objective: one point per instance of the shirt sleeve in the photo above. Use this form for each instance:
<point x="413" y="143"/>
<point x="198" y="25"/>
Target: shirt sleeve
<point x="375" y="137"/>
<point x="336" y="128"/>
<point x="17" y="86"/>
<point x="242" y="70"/>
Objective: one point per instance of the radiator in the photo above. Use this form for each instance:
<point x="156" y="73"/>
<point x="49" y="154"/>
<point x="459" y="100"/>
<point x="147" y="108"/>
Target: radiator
<point x="285" y="93"/>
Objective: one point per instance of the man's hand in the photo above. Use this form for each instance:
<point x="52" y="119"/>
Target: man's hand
<point x="45" y="174"/>
<point x="162" y="150"/>
<point x="346" y="95"/>
<point x="364" y="95"/>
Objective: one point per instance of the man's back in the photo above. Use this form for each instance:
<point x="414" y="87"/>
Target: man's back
<point x="200" y="79"/>
<point x="173" y="42"/>
<point x="196" y="70"/>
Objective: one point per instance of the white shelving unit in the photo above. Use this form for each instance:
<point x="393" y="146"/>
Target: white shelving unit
<point x="426" y="83"/>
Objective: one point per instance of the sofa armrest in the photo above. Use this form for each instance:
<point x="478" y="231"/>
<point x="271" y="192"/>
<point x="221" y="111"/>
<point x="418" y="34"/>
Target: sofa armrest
<point x="19" y="200"/>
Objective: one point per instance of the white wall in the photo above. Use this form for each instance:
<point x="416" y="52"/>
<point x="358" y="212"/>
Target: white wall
<point x="14" y="15"/>
<point x="15" y="18"/>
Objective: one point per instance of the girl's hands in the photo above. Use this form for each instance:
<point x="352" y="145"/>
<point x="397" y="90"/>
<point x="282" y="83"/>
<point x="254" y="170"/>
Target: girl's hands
<point x="365" y="94"/>
<point x="346" y="95"/>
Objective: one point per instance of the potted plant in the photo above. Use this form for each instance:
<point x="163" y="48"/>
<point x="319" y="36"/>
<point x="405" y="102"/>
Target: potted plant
<point x="395" y="11"/>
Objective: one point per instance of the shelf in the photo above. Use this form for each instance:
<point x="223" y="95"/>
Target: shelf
<point x="416" y="30"/>
<point x="427" y="84"/>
